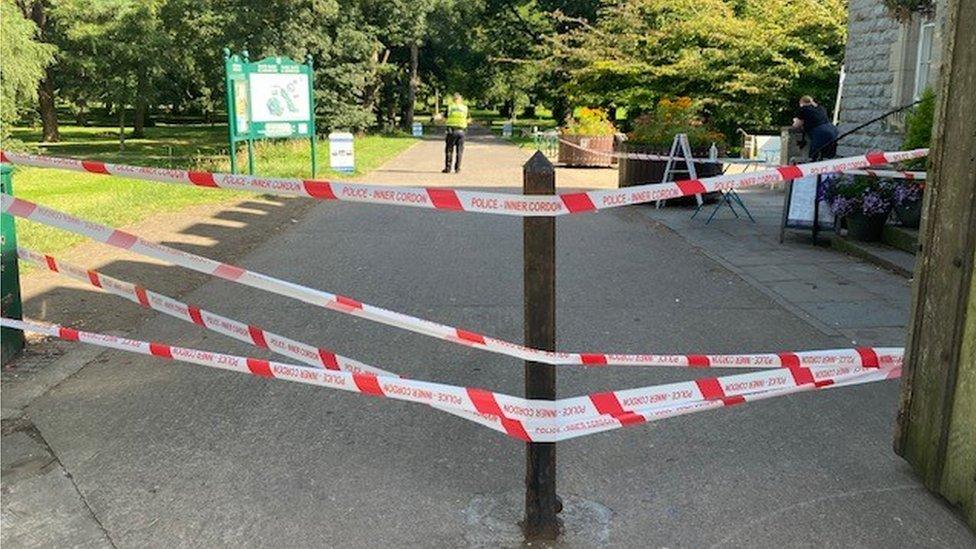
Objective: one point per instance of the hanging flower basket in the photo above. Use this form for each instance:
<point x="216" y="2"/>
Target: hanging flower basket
<point x="903" y="10"/>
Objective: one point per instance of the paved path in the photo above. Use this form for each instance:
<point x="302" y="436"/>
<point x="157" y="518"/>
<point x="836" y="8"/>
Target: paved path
<point x="488" y="162"/>
<point x="168" y="454"/>
<point x="838" y="294"/>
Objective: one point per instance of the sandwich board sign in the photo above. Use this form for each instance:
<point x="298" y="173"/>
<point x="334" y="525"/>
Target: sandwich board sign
<point x="341" y="158"/>
<point x="802" y="210"/>
<point x="268" y="99"/>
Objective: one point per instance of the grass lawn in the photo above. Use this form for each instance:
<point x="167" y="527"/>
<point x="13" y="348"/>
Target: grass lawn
<point x="117" y="202"/>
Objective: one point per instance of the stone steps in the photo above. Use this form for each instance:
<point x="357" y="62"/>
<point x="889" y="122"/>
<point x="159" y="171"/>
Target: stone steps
<point x="902" y="238"/>
<point x="894" y="259"/>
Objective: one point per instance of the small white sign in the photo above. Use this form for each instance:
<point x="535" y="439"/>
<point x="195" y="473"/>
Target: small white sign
<point x="418" y="129"/>
<point x="341" y="157"/>
<point x="507" y="129"/>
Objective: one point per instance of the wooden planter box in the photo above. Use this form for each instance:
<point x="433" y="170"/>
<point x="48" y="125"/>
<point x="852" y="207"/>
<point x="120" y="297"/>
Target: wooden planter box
<point x="571" y="156"/>
<point x="632" y="172"/>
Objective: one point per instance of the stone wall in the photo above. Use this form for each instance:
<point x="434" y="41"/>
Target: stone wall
<point x="880" y="61"/>
<point x="869" y="82"/>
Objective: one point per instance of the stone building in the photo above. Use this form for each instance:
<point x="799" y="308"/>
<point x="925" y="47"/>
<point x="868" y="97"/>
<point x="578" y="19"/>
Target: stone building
<point x="887" y="64"/>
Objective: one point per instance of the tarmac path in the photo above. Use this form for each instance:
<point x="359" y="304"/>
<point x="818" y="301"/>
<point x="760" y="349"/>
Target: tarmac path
<point x="169" y="454"/>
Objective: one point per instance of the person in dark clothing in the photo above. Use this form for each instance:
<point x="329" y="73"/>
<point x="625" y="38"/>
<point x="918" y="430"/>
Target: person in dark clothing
<point x="818" y="128"/>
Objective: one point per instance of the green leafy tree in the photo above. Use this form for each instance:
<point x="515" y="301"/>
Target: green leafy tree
<point x="118" y="50"/>
<point x="747" y="61"/>
<point x="24" y="62"/>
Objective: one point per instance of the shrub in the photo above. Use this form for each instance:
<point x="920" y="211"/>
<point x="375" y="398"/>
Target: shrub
<point x="671" y="117"/>
<point x="918" y="128"/>
<point x="590" y="122"/>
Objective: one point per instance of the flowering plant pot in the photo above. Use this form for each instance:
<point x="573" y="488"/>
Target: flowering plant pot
<point x="587" y="140"/>
<point x="908" y="203"/>
<point x="654" y="133"/>
<point x="633" y="171"/>
<point x="909" y="213"/>
<point x="864" y="202"/>
<point x="587" y="151"/>
<point x="865" y="227"/>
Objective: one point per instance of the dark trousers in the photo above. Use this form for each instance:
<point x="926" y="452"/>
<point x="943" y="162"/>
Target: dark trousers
<point x="453" y="148"/>
<point x="819" y="139"/>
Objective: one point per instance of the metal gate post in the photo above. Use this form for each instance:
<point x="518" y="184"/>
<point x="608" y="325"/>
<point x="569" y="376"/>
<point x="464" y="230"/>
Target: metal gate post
<point x="11" y="341"/>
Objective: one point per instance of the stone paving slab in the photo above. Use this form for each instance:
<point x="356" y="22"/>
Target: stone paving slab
<point x="41" y="505"/>
<point x="838" y="294"/>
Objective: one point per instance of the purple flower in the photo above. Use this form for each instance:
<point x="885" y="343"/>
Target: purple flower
<point x="848" y="195"/>
<point x="907" y="192"/>
<point x="875" y="203"/>
<point x="841" y="206"/>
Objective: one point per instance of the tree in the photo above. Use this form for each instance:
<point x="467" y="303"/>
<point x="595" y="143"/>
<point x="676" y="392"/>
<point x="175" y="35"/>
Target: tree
<point x="746" y="60"/>
<point x="120" y="49"/>
<point x="36" y="11"/>
<point x="24" y="61"/>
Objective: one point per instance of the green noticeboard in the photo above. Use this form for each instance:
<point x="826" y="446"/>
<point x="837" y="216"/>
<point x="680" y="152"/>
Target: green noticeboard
<point x="266" y="99"/>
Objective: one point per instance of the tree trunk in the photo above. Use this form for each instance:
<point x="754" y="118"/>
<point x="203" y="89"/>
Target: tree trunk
<point x="139" y="118"/>
<point x="375" y="83"/>
<point x="81" y="117"/>
<point x="411" y="87"/>
<point x="45" y="88"/>
<point x="45" y="106"/>
<point x="508" y="109"/>
<point x="121" y="128"/>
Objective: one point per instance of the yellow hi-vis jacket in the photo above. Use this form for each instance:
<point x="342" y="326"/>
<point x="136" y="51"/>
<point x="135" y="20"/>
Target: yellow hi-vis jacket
<point x="457" y="116"/>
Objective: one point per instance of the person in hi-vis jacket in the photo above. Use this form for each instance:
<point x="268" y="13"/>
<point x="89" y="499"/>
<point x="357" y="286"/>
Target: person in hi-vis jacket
<point x="457" y="122"/>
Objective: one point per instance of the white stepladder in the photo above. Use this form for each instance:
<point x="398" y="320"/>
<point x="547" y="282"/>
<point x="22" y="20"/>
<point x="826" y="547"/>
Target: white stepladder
<point x="680" y="144"/>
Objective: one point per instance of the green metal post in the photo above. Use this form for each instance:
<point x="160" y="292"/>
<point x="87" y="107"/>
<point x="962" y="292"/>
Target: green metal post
<point x="11" y="341"/>
<point x="231" y="112"/>
<point x="311" y="103"/>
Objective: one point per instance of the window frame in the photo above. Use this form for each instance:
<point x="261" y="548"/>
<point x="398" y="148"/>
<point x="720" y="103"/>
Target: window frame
<point x="926" y="31"/>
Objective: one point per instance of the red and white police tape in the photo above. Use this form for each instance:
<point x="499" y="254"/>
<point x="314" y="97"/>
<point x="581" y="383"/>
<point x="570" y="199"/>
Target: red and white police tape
<point x="662" y="157"/>
<point x="120" y="239"/>
<point x="893" y="174"/>
<point x="468" y="201"/>
<point x="524" y="419"/>
<point x="726" y="160"/>
<point x="248" y="333"/>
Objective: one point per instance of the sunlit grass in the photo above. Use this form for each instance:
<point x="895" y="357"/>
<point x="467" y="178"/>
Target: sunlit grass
<point x="118" y="202"/>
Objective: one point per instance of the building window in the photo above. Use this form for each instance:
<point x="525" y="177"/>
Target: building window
<point x="923" y="61"/>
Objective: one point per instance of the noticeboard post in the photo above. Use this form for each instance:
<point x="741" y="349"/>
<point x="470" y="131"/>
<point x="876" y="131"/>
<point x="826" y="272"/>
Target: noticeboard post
<point x="268" y="99"/>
